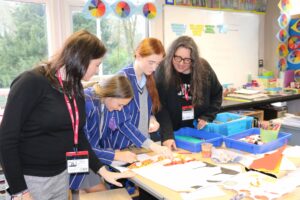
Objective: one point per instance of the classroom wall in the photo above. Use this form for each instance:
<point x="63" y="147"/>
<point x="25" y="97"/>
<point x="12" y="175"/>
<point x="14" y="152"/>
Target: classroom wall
<point x="270" y="40"/>
<point x="156" y="30"/>
<point x="268" y="28"/>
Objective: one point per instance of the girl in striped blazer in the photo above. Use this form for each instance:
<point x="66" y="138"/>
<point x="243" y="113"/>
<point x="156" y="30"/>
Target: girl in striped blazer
<point x="112" y="94"/>
<point x="131" y="125"/>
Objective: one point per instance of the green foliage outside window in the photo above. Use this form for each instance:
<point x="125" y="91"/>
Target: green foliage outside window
<point x="23" y="39"/>
<point x="119" y="36"/>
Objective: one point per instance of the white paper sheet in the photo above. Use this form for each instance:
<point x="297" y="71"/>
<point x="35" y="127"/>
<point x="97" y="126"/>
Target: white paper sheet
<point x="292" y="151"/>
<point x="206" y="192"/>
<point x="287" y="165"/>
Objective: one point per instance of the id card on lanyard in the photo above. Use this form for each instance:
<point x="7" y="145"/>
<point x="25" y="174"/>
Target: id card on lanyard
<point x="188" y="110"/>
<point x="77" y="161"/>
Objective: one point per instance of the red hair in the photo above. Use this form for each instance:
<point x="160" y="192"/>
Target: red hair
<point x="147" y="47"/>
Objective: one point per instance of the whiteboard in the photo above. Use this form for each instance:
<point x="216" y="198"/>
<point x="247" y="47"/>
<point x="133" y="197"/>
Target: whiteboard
<point x="229" y="41"/>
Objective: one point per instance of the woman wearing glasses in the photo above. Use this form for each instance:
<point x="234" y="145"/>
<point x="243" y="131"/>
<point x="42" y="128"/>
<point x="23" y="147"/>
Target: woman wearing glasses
<point x="188" y="89"/>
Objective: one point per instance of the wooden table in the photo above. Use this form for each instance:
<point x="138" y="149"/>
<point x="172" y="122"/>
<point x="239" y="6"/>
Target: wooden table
<point x="162" y="192"/>
<point x="116" y="194"/>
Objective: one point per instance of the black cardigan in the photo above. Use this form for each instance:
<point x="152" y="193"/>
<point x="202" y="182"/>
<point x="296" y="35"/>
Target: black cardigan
<point x="36" y="131"/>
<point x="170" y="114"/>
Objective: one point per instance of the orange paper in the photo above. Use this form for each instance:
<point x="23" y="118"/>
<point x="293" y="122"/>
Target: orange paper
<point x="269" y="161"/>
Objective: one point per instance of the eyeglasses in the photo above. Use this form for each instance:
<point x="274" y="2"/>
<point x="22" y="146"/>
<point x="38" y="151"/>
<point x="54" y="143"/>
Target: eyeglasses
<point x="178" y="59"/>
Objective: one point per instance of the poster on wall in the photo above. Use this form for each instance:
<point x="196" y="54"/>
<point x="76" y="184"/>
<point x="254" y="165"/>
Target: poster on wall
<point x="229" y="41"/>
<point x="293" y="57"/>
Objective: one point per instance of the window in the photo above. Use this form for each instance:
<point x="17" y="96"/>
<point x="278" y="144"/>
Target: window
<point x="120" y="37"/>
<point x="23" y="40"/>
<point x="295" y="7"/>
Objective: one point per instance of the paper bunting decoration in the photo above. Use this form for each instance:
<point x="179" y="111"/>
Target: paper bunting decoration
<point x="282" y="35"/>
<point x="284" y="5"/>
<point x="149" y="10"/>
<point x="295" y="27"/>
<point x="283" y="20"/>
<point x="282" y="50"/>
<point x="282" y="64"/>
<point x="123" y="9"/>
<point x="294" y="42"/>
<point x="297" y="75"/>
<point x="178" y="29"/>
<point x="97" y="8"/>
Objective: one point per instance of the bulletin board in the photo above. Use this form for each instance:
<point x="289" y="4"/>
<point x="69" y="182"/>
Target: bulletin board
<point x="229" y="41"/>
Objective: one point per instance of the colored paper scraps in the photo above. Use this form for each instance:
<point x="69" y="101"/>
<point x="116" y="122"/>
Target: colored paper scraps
<point x="270" y="162"/>
<point x="260" y="186"/>
<point x="178" y="159"/>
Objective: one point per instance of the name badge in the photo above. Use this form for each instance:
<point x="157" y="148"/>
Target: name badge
<point x="77" y="162"/>
<point x="187" y="112"/>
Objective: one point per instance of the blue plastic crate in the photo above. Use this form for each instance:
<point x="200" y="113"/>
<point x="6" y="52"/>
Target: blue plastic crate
<point x="229" y="124"/>
<point x="193" y="145"/>
<point x="235" y="143"/>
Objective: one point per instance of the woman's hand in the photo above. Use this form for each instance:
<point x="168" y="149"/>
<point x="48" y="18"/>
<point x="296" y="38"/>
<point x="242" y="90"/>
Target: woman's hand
<point x="153" y="124"/>
<point x="112" y="177"/>
<point x="170" y="143"/>
<point x="201" y="124"/>
<point x="25" y="196"/>
<point x="165" y="151"/>
<point x="125" y="156"/>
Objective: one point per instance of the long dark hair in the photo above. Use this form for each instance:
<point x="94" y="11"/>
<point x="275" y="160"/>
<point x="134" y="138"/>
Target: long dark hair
<point x="78" y="50"/>
<point x="147" y="47"/>
<point x="199" y="73"/>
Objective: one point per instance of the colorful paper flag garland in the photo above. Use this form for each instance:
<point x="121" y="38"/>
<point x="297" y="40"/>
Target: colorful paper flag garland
<point x="282" y="50"/>
<point x="284" y="5"/>
<point x="122" y="8"/>
<point x="96" y="9"/>
<point x="283" y="35"/>
<point x="283" y="20"/>
<point x="282" y="64"/>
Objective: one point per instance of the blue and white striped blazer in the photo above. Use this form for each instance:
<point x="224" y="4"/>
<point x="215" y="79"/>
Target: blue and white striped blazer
<point x="92" y="133"/>
<point x="121" y="127"/>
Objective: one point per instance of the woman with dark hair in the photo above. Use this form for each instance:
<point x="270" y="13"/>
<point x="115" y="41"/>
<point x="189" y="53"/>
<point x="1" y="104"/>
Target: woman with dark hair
<point x="132" y="125"/>
<point x="41" y="134"/>
<point x="188" y="89"/>
<point x="107" y="96"/>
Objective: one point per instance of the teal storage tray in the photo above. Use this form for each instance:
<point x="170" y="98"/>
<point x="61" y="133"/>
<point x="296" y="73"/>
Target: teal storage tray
<point x="229" y="124"/>
<point x="235" y="143"/>
<point x="190" y="139"/>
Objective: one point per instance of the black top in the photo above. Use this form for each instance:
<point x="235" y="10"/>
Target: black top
<point x="36" y="131"/>
<point x="172" y="99"/>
